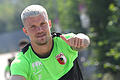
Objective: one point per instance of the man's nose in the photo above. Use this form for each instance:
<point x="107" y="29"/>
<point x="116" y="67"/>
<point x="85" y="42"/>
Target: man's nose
<point x="39" y="28"/>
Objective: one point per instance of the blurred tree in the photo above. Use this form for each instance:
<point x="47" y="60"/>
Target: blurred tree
<point x="104" y="15"/>
<point x="69" y="15"/>
<point x="6" y="16"/>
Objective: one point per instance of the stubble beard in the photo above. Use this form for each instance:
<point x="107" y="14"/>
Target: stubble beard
<point x="44" y="42"/>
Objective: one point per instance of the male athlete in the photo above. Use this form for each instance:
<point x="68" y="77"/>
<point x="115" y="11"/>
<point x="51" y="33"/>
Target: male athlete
<point x="47" y="57"/>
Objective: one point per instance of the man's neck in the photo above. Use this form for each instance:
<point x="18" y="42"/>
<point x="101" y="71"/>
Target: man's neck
<point x="43" y="49"/>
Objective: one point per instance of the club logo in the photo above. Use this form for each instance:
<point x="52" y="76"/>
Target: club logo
<point x="61" y="58"/>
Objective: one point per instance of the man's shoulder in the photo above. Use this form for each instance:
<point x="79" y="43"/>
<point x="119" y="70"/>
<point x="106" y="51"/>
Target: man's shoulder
<point x="58" y="39"/>
<point x="26" y="48"/>
<point x="20" y="59"/>
<point x="23" y="55"/>
<point x="68" y="35"/>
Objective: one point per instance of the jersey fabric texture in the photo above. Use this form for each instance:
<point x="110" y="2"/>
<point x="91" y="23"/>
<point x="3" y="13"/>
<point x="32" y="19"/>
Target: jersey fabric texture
<point x="56" y="66"/>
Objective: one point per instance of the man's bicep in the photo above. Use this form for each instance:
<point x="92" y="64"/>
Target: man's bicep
<point x="17" y="77"/>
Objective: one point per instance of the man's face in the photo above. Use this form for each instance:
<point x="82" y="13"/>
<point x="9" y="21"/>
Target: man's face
<point x="38" y="29"/>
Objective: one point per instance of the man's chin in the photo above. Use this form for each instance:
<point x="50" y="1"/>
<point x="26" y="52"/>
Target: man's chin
<point x="40" y="43"/>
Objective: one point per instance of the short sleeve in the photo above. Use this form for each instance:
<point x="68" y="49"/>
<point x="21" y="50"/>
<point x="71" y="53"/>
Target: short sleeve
<point x="68" y="51"/>
<point x="19" y="67"/>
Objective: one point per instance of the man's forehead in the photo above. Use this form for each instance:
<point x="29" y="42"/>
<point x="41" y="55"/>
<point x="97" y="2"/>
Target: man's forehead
<point x="40" y="17"/>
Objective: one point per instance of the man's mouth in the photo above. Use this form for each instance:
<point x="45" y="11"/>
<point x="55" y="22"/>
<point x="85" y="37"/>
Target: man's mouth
<point x="40" y="35"/>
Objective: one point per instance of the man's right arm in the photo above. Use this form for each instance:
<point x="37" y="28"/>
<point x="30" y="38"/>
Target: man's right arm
<point x="17" y="77"/>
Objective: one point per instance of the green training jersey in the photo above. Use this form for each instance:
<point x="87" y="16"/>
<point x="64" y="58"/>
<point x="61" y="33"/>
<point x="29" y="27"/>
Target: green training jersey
<point x="57" y="64"/>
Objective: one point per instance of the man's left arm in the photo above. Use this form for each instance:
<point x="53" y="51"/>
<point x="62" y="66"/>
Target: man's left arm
<point x="77" y="42"/>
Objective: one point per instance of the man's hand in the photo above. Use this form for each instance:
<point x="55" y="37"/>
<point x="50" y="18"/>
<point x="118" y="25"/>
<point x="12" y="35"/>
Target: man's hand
<point x="78" y="42"/>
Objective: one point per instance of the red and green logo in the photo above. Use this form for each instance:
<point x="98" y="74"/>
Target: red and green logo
<point x="61" y="58"/>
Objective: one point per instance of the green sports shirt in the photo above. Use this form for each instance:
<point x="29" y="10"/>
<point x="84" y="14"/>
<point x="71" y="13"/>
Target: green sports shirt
<point x="57" y="64"/>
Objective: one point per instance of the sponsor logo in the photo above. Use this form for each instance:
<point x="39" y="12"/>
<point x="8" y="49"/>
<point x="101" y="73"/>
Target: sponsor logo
<point x="37" y="67"/>
<point x="61" y="58"/>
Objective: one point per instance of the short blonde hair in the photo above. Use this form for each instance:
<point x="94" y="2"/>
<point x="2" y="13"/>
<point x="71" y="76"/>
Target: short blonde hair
<point x="32" y="10"/>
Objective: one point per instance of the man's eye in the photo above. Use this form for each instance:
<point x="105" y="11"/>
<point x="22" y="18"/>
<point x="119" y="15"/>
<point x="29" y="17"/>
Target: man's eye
<point x="43" y="23"/>
<point x="33" y="26"/>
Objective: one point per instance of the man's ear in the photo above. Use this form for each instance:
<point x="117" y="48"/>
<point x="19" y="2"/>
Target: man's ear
<point x="25" y="31"/>
<point x="50" y="24"/>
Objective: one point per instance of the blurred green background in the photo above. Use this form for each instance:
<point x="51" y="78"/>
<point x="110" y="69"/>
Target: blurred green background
<point x="99" y="19"/>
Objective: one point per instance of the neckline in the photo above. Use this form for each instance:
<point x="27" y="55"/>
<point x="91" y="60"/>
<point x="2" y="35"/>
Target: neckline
<point x="46" y="56"/>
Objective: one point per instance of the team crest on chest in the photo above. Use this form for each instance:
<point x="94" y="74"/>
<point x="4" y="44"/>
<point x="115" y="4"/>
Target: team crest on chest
<point x="61" y="58"/>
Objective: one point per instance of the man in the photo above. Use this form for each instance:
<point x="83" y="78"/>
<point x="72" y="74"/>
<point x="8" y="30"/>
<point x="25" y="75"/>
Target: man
<point x="47" y="57"/>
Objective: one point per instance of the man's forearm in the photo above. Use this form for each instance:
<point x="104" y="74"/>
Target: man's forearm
<point x="17" y="77"/>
